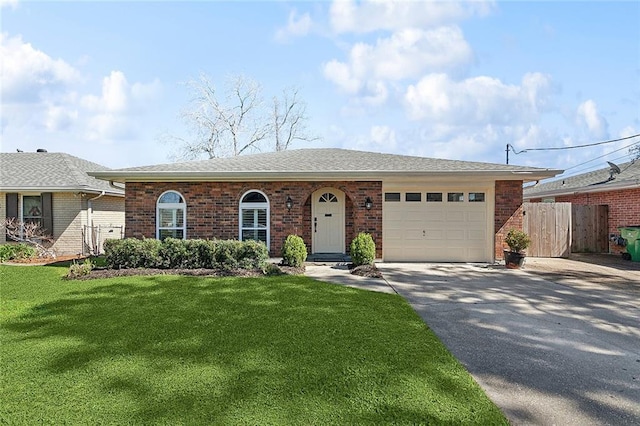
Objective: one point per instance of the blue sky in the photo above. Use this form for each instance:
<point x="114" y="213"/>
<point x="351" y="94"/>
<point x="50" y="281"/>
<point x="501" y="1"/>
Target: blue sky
<point x="105" y="80"/>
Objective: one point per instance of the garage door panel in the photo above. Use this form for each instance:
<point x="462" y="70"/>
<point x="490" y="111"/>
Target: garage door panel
<point x="437" y="231"/>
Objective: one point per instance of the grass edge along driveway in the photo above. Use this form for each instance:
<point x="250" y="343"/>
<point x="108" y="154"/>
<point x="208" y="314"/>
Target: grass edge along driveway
<point x="186" y="350"/>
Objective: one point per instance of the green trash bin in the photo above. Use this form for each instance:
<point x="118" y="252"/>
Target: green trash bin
<point x="632" y="235"/>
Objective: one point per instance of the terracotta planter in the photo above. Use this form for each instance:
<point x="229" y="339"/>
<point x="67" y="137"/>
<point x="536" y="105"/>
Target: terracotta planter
<point x="513" y="259"/>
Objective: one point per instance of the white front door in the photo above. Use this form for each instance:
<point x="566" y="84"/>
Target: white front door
<point x="328" y="221"/>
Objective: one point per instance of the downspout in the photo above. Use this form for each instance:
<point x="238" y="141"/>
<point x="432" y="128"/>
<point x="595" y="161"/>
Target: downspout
<point x="90" y="219"/>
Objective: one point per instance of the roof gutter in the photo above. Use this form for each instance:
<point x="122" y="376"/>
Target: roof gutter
<point x="239" y="176"/>
<point x="113" y="185"/>
<point x="582" y="190"/>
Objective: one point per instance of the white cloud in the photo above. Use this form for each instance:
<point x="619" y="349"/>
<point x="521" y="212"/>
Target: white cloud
<point x="27" y="72"/>
<point x="111" y="112"/>
<point x="60" y="118"/>
<point x="372" y="15"/>
<point x="406" y="54"/>
<point x="588" y="117"/>
<point x="9" y="3"/>
<point x="383" y="136"/>
<point x="297" y="26"/>
<point x="478" y="100"/>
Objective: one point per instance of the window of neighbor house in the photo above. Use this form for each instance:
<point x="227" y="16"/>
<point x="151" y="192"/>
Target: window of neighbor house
<point x="254" y="217"/>
<point x="32" y="209"/>
<point x="171" y="216"/>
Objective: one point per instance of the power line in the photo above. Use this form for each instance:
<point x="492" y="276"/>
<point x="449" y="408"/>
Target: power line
<point x="580" y="146"/>
<point x="597" y="158"/>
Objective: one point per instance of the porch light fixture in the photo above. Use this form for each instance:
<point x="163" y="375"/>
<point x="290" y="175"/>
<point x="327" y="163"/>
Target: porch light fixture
<point x="289" y="203"/>
<point x="368" y="203"/>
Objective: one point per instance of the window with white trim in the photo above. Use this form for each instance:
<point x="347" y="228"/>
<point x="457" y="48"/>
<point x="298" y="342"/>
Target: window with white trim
<point x="171" y="216"/>
<point x="254" y="217"/>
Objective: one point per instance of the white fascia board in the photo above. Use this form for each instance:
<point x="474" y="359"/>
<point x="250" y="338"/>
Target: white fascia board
<point x="265" y="176"/>
<point x="34" y="189"/>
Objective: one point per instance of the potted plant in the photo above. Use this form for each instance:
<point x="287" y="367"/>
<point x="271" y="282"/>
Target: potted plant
<point x="517" y="241"/>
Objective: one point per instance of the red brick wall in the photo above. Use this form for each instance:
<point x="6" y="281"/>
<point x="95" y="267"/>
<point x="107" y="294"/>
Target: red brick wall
<point x="212" y="209"/>
<point x="624" y="208"/>
<point x="508" y="212"/>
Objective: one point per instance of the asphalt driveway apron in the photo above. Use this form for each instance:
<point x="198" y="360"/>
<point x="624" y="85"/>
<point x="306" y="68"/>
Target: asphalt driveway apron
<point x="545" y="352"/>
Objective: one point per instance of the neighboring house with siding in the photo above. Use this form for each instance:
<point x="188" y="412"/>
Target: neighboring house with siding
<point x="417" y="209"/>
<point x="619" y="191"/>
<point x="54" y="190"/>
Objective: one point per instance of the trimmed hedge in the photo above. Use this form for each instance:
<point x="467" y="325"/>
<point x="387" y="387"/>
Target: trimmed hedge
<point x="185" y="254"/>
<point x="363" y="249"/>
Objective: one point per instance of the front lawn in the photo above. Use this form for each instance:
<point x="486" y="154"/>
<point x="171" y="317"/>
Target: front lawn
<point x="188" y="350"/>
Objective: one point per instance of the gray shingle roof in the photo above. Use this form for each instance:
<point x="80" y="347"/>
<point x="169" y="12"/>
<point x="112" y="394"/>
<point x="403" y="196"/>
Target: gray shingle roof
<point x="51" y="171"/>
<point x="597" y="180"/>
<point x="326" y="161"/>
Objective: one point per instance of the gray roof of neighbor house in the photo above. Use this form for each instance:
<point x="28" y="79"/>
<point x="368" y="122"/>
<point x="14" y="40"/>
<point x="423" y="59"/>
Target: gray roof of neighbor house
<point x="595" y="181"/>
<point x="50" y="172"/>
<point x="327" y="163"/>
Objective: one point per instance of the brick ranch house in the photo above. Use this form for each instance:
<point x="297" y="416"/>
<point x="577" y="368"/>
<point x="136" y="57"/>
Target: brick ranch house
<point x="54" y="190"/>
<point x="619" y="191"/>
<point x="416" y="209"/>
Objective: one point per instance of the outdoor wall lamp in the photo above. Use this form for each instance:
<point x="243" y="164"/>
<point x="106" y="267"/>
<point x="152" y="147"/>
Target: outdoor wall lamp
<point x="289" y="203"/>
<point x="368" y="203"/>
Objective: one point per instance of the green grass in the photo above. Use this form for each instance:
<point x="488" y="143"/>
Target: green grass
<point x="186" y="350"/>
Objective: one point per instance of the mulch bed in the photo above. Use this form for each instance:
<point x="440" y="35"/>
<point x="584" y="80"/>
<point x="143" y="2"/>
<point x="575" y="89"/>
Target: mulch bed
<point x="111" y="273"/>
<point x="369" y="271"/>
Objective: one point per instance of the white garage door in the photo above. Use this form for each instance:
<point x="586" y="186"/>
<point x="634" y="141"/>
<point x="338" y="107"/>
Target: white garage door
<point x="438" y="225"/>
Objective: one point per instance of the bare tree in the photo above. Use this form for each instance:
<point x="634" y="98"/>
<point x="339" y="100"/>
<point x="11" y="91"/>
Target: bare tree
<point x="289" y="117"/>
<point x="236" y="121"/>
<point x="29" y="232"/>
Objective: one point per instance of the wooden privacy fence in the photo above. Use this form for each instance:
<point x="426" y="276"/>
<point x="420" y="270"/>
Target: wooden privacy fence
<point x="559" y="229"/>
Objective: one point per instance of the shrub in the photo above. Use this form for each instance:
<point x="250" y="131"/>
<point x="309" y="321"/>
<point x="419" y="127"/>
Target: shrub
<point x="363" y="249"/>
<point x="173" y="253"/>
<point x="294" y="252"/>
<point x="150" y="253"/>
<point x="199" y="254"/>
<point x="227" y="254"/>
<point x="190" y="254"/>
<point x="132" y="253"/>
<point x="79" y="269"/>
<point x="517" y="240"/>
<point x="253" y="254"/>
<point x="17" y="252"/>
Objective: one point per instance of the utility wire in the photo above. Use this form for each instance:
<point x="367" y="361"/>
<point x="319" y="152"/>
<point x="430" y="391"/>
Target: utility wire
<point x="597" y="158"/>
<point x="580" y="146"/>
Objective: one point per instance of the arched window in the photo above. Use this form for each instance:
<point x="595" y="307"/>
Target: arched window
<point x="171" y="216"/>
<point x="254" y="217"/>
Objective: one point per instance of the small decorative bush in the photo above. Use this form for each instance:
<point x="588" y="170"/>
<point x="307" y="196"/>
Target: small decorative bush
<point x="77" y="270"/>
<point x="294" y="252"/>
<point x="517" y="240"/>
<point x="363" y="249"/>
<point x="17" y="252"/>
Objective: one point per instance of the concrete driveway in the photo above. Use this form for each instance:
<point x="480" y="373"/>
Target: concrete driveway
<point x="547" y="347"/>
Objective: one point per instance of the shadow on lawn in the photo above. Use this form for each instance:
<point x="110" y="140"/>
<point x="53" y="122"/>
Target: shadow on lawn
<point x="256" y="351"/>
